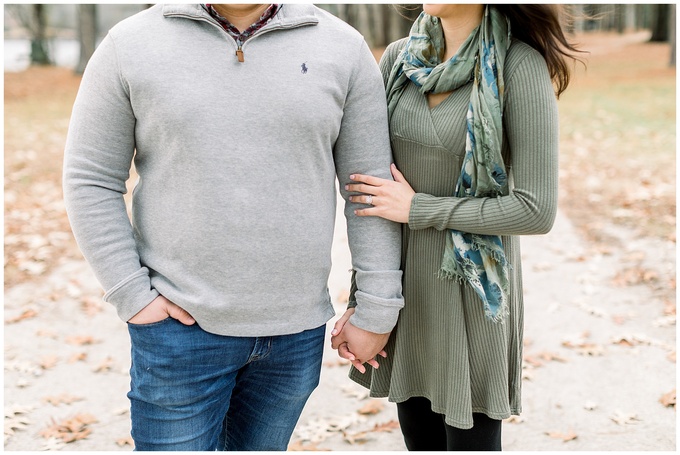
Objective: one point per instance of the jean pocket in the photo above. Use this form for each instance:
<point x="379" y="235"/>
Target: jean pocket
<point x="150" y="324"/>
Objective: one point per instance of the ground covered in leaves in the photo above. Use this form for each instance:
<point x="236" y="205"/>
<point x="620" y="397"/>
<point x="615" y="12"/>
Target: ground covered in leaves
<point x="599" y="361"/>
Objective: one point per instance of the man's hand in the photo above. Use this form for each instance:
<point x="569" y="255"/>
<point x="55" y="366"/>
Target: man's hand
<point x="161" y="308"/>
<point x="357" y="345"/>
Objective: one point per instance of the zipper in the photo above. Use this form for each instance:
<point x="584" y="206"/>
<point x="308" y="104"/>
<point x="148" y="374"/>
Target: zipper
<point x="239" y="45"/>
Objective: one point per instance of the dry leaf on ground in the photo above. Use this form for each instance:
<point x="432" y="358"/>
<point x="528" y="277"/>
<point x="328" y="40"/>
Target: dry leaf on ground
<point x="71" y="429"/>
<point x="343" y="296"/>
<point x="372" y="407"/>
<point x="126" y="441"/>
<point x="356" y="438"/>
<point x="48" y="362"/>
<point x="386" y="427"/>
<point x="91" y="305"/>
<point x="515" y="419"/>
<point x="64" y="398"/>
<point x="78" y="357"/>
<point x="300" y="446"/>
<point x="105" y="365"/>
<point x="339" y="362"/>
<point x="622" y="418"/>
<point x="566" y="437"/>
<point x="583" y="347"/>
<point x="634" y="276"/>
<point x="81" y="340"/>
<point x="15" y="419"/>
<point x="590" y="406"/>
<point x="28" y="314"/>
<point x="668" y="399"/>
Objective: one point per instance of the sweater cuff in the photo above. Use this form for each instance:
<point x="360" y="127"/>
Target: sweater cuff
<point x="132" y="294"/>
<point x="376" y="315"/>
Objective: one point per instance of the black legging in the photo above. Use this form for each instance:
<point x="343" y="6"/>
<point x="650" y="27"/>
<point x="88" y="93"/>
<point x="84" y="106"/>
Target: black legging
<point x="424" y="429"/>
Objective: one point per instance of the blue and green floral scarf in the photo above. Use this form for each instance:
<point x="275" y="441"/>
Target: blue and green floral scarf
<point x="476" y="259"/>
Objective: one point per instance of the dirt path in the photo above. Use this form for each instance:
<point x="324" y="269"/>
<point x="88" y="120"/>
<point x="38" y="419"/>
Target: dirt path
<point x="600" y="354"/>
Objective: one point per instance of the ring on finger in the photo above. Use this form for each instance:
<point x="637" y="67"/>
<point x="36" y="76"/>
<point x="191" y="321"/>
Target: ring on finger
<point x="369" y="199"/>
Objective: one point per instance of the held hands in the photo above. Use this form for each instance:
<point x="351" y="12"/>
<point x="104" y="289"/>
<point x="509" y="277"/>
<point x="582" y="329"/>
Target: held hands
<point x="389" y="199"/>
<point x="357" y="345"/>
<point x="161" y="308"/>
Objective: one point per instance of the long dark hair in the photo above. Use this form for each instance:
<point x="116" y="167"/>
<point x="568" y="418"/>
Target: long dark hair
<point x="541" y="27"/>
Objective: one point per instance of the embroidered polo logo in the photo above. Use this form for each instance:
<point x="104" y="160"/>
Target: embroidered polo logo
<point x="304" y="68"/>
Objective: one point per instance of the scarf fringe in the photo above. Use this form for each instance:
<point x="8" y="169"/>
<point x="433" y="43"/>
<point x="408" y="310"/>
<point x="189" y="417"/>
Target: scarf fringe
<point x="503" y="309"/>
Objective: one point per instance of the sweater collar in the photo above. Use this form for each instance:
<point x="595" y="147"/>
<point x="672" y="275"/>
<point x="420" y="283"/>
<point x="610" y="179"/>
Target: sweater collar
<point x="291" y="15"/>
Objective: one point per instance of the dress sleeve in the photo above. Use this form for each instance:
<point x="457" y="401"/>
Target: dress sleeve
<point x="530" y="121"/>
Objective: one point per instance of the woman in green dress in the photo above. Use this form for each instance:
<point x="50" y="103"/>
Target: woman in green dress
<point x="474" y="131"/>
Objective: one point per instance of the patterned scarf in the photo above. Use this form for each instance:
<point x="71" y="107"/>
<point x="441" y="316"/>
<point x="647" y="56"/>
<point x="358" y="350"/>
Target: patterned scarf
<point x="473" y="258"/>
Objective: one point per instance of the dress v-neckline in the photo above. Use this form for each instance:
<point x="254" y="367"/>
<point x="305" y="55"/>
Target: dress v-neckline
<point x="432" y="108"/>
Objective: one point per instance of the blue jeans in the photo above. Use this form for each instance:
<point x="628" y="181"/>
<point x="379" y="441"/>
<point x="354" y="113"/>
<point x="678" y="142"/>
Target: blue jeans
<point x="192" y="390"/>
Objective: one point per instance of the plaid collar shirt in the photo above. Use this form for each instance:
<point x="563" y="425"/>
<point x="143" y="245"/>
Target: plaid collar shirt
<point x="239" y="36"/>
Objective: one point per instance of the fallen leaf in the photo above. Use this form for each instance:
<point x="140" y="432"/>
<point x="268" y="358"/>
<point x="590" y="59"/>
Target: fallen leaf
<point x="48" y="362"/>
<point x="566" y="437"/>
<point x="387" y="426"/>
<point x="372" y="407"/>
<point x="668" y="399"/>
<point x="105" y="365"/>
<point x="47" y="334"/>
<point x="126" y="441"/>
<point x="53" y="444"/>
<point x="339" y="362"/>
<point x="619" y="319"/>
<point x="532" y="361"/>
<point x="355" y="392"/>
<point x="551" y="356"/>
<point x="28" y="314"/>
<point x="90" y="305"/>
<point x="633" y="276"/>
<point x="356" y="438"/>
<point x="669" y="307"/>
<point x="666" y="321"/>
<point x="71" y="429"/>
<point x="590" y="406"/>
<point x="621" y="418"/>
<point x="81" y="340"/>
<point x="583" y="347"/>
<point x="78" y="357"/>
<point x="514" y="420"/>
<point x="343" y="296"/>
<point x="15" y="419"/>
<point x="300" y="446"/>
<point x="65" y="398"/>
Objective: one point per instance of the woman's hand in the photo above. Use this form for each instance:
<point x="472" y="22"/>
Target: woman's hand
<point x="363" y="339"/>
<point x="389" y="199"/>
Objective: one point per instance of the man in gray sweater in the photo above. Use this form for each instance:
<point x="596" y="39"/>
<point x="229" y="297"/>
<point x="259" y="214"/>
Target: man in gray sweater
<point x="238" y="119"/>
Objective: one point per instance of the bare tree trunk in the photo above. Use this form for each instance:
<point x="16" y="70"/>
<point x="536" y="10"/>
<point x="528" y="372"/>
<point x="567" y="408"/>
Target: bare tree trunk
<point x="39" y="52"/>
<point x="576" y="23"/>
<point x="630" y="17"/>
<point x="672" y="27"/>
<point x="660" y="23"/>
<point x="87" y="34"/>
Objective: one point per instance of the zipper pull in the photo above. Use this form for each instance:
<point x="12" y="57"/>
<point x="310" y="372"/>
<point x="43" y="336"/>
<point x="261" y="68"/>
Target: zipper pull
<point x="239" y="52"/>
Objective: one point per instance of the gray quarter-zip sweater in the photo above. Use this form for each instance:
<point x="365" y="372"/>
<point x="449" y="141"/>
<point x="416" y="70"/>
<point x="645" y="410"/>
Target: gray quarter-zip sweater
<point x="233" y="212"/>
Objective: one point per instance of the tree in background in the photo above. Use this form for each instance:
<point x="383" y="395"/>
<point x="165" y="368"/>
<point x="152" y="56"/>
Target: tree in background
<point x="34" y="19"/>
<point x="379" y="23"/>
<point x="87" y="34"/>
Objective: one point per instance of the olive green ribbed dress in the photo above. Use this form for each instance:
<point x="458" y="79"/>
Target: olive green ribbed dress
<point x="443" y="348"/>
